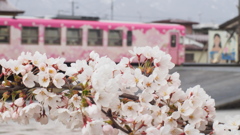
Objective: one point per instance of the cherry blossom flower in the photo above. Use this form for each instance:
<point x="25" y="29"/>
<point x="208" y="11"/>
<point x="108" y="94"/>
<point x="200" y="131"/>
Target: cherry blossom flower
<point x="29" y="79"/>
<point x="164" y="63"/>
<point x="42" y="67"/>
<point x="159" y="76"/>
<point x="146" y="119"/>
<point x="139" y="77"/>
<point x="43" y="79"/>
<point x="173" y="80"/>
<point x="58" y="80"/>
<point x="60" y="65"/>
<point x="103" y="98"/>
<point x="185" y="109"/>
<point x="93" y="112"/>
<point x="25" y="57"/>
<point x="38" y="58"/>
<point x="76" y="100"/>
<point x="16" y="67"/>
<point x="52" y="100"/>
<point x="51" y="71"/>
<point x="77" y="68"/>
<point x="42" y="118"/>
<point x="31" y="109"/>
<point x="131" y="109"/>
<point x="6" y="116"/>
<point x="109" y="130"/>
<point x="128" y="79"/>
<point x="153" y="131"/>
<point x="93" y="128"/>
<point x="41" y="94"/>
<point x="233" y="122"/>
<point x="64" y="115"/>
<point x="145" y="97"/>
<point x="149" y="84"/>
<point x="76" y="120"/>
<point x="190" y="130"/>
<point x="195" y="117"/>
<point x="19" y="102"/>
<point x="136" y="52"/>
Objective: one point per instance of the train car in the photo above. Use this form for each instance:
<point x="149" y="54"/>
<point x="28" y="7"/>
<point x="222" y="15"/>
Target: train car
<point x="75" y="39"/>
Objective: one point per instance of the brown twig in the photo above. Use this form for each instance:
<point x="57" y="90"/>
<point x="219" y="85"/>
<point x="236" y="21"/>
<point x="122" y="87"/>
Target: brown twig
<point x="114" y="123"/>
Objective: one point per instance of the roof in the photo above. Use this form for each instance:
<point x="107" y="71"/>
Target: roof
<point x="230" y="24"/>
<point x="8" y="9"/>
<point x="76" y="17"/>
<point x="178" y="21"/>
<point x="188" y="41"/>
<point x="198" y="37"/>
<point x="206" y="26"/>
<point x="192" y="47"/>
<point x="98" y="24"/>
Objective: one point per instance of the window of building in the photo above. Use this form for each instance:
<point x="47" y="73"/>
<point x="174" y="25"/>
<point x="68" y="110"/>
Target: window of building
<point x="115" y="37"/>
<point x="173" y="40"/>
<point x="4" y="34"/>
<point x="52" y="36"/>
<point x="30" y="35"/>
<point x="189" y="57"/>
<point x="129" y="38"/>
<point x="74" y="36"/>
<point x="95" y="37"/>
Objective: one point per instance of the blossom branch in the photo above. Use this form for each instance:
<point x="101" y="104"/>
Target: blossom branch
<point x="114" y="123"/>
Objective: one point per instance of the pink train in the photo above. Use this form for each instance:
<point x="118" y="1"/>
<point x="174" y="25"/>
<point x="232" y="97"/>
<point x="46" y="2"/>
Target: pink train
<point x="75" y="39"/>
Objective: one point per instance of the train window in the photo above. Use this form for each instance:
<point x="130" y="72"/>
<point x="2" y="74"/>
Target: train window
<point x="4" y="34"/>
<point x="115" y="38"/>
<point x="173" y="40"/>
<point x="52" y="36"/>
<point x="74" y="36"/>
<point x="30" y="35"/>
<point x="95" y="37"/>
<point x="129" y="38"/>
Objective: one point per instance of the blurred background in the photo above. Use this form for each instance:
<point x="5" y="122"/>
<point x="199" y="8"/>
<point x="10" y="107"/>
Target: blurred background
<point x="204" y="20"/>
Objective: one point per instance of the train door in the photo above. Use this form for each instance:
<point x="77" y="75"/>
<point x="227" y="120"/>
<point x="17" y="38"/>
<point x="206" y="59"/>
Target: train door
<point x="173" y="47"/>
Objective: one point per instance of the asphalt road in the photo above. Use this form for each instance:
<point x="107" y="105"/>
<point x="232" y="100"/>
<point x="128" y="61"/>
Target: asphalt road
<point x="221" y="83"/>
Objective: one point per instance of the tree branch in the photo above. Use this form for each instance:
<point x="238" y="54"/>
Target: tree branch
<point x="115" y="124"/>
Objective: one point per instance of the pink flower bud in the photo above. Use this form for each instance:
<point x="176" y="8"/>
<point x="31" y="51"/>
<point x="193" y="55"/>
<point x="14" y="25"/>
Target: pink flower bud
<point x="15" y="115"/>
<point x="28" y="68"/>
<point x="19" y="102"/>
<point x="107" y="130"/>
<point x="43" y="119"/>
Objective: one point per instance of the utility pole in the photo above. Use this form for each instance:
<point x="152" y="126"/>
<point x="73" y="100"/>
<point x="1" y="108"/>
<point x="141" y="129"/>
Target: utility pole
<point x="140" y="16"/>
<point x="72" y="8"/>
<point x="238" y="31"/>
<point x="112" y="10"/>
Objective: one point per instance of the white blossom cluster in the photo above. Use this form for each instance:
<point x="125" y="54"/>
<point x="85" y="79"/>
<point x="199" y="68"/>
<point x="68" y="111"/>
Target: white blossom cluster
<point x="101" y="97"/>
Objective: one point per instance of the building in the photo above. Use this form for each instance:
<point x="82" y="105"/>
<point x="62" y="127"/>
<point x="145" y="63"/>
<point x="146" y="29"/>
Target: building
<point x="232" y="27"/>
<point x="231" y="24"/>
<point x="7" y="9"/>
<point x="195" y="43"/>
<point x="188" y="24"/>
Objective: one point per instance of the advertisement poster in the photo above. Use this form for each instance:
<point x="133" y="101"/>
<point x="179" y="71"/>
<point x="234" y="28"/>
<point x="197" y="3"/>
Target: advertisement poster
<point x="221" y="49"/>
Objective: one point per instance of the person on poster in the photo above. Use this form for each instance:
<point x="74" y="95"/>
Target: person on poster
<point x="217" y="46"/>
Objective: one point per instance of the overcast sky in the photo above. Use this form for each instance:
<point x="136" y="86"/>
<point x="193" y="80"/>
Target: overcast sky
<point x="204" y="11"/>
